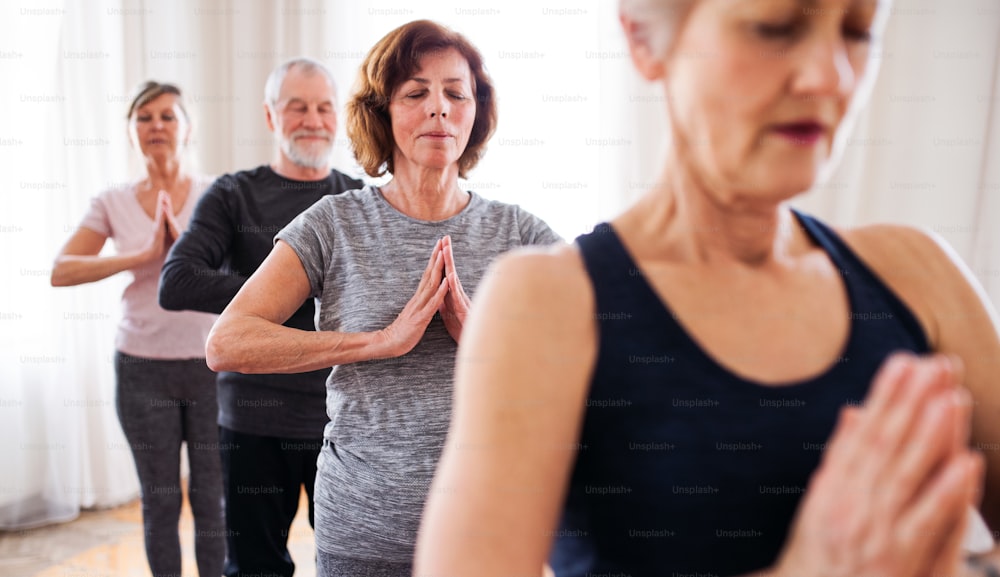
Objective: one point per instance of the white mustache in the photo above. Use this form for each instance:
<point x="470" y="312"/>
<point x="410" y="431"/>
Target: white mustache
<point x="312" y="133"/>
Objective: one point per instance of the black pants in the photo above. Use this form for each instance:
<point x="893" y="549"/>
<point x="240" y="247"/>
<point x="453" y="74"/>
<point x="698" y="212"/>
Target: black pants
<point x="263" y="477"/>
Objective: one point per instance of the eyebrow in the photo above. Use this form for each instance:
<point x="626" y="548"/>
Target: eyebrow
<point x="419" y="80"/>
<point x="296" y="100"/>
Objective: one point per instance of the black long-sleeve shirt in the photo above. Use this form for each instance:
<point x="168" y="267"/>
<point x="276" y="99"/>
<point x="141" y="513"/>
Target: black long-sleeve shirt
<point x="229" y="236"/>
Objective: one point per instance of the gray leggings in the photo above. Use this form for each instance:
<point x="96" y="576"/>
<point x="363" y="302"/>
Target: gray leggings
<point x="160" y="404"/>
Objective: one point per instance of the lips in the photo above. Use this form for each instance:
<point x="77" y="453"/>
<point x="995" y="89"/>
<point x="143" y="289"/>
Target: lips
<point x="803" y="133"/>
<point x="435" y="134"/>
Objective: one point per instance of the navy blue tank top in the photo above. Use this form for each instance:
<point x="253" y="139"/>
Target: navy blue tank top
<point x="683" y="467"/>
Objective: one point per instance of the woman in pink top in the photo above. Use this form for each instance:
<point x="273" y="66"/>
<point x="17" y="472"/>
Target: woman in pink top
<point x="165" y="392"/>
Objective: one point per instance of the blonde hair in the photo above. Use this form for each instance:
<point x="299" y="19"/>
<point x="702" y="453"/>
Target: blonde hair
<point x="149" y="91"/>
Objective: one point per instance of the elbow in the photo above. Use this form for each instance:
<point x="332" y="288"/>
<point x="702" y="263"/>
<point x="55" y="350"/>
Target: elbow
<point x="58" y="276"/>
<point x="215" y="350"/>
<point x="166" y="299"/>
<point x="167" y="294"/>
<point x="225" y="348"/>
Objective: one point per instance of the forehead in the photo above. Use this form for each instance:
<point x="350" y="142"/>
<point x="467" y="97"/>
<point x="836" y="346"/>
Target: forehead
<point x="448" y="63"/>
<point x="310" y="86"/>
<point x="814" y="7"/>
<point x="161" y="102"/>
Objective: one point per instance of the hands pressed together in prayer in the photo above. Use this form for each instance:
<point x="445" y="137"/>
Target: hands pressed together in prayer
<point x="898" y="481"/>
<point x="440" y="291"/>
<point x="165" y="228"/>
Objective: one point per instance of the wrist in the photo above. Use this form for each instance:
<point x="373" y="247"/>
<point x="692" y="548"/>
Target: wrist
<point x="140" y="257"/>
<point x="381" y="344"/>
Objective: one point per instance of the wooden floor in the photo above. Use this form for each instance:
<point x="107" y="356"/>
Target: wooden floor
<point x="109" y="543"/>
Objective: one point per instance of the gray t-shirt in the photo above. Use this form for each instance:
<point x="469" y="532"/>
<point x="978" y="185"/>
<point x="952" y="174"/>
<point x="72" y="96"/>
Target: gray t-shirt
<point x="388" y="418"/>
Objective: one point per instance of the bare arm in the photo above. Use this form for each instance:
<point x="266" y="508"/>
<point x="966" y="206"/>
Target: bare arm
<point x="78" y="261"/>
<point x="959" y="320"/>
<point x="521" y="382"/>
<point x="970" y="331"/>
<point x="249" y="336"/>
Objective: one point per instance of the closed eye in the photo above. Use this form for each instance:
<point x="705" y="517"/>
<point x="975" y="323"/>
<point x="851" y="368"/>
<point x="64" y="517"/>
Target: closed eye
<point x="858" y="35"/>
<point x="776" y="31"/>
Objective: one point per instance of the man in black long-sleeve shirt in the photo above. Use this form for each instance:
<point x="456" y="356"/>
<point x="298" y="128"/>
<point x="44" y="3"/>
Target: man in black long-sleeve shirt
<point x="271" y="426"/>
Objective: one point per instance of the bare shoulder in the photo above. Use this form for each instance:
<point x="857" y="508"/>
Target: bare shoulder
<point x="894" y="250"/>
<point x="922" y="269"/>
<point x="554" y="275"/>
<point x="536" y="305"/>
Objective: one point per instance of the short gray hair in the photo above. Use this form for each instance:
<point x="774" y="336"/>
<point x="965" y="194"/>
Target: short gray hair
<point x="660" y="21"/>
<point x="308" y="65"/>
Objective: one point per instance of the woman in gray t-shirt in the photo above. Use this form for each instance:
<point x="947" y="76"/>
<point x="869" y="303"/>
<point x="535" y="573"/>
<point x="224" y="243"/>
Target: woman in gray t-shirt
<point x="392" y="269"/>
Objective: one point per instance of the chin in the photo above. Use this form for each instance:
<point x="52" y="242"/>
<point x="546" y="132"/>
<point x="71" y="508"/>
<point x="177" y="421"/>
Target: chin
<point x="162" y="155"/>
<point x="436" y="163"/>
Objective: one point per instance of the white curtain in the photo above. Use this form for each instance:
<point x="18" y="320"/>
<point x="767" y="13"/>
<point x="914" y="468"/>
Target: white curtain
<point x="580" y="137"/>
<point x="926" y="151"/>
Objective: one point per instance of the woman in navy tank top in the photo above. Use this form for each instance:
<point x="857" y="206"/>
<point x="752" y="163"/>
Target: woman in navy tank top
<point x="708" y="385"/>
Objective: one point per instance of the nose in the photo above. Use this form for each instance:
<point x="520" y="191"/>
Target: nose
<point x="439" y="105"/>
<point x="827" y="69"/>
<point x="313" y="118"/>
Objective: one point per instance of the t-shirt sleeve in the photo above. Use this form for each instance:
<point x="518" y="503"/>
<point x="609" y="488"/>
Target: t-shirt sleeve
<point x="535" y="230"/>
<point x="97" y="218"/>
<point x="309" y="235"/>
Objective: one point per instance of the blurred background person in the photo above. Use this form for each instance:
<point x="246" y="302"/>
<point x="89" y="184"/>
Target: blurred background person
<point x="165" y="394"/>
<point x="271" y="425"/>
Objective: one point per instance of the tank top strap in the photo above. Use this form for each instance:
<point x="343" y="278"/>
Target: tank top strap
<point x="870" y="295"/>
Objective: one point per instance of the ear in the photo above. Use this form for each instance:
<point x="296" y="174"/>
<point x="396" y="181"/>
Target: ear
<point x="269" y="118"/>
<point x="650" y="65"/>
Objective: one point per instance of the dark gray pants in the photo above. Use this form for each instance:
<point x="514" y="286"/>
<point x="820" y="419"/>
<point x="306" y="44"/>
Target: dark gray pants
<point x="160" y="404"/>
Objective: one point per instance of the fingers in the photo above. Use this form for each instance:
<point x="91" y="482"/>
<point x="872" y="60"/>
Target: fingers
<point x="461" y="301"/>
<point x="449" y="256"/>
<point x="433" y="271"/>
<point x="167" y="204"/>
<point x="848" y="444"/>
<point x="928" y="528"/>
<point x="886" y="385"/>
<point x="436" y="301"/>
<point x="896" y="482"/>
<point x="158" y="214"/>
<point x="950" y="555"/>
<point x="173" y="226"/>
<point x="893" y="417"/>
<point x="906" y="432"/>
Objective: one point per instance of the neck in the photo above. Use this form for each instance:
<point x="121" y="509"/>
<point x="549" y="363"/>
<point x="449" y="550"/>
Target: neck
<point x="288" y="169"/>
<point x="425" y="194"/>
<point x="706" y="224"/>
<point x="164" y="173"/>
